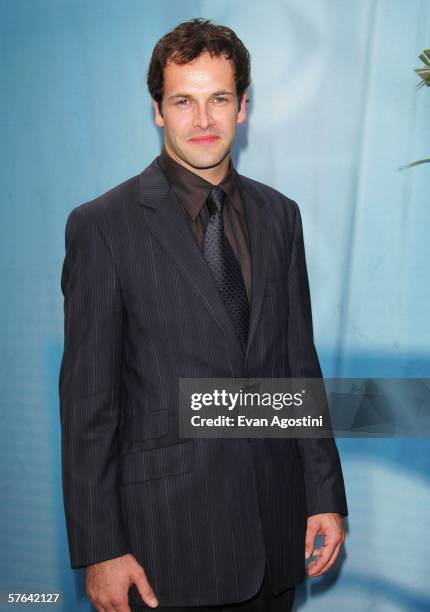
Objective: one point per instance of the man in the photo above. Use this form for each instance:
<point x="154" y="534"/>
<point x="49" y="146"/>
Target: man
<point x="189" y="270"/>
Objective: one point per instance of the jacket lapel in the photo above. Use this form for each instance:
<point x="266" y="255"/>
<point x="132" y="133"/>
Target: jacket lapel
<point x="169" y="225"/>
<point x="167" y="222"/>
<point x="259" y="229"/>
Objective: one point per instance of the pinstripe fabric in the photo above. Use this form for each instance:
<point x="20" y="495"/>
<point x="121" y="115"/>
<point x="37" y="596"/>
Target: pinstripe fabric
<point x="141" y="311"/>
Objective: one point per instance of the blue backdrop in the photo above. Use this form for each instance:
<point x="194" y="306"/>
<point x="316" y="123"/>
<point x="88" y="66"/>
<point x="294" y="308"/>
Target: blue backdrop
<point x="334" y="113"/>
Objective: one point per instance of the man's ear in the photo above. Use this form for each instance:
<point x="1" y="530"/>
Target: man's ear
<point x="241" y="115"/>
<point x="158" y="117"/>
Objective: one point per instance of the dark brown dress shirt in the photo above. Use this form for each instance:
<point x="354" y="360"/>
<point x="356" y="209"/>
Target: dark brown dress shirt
<point x="193" y="191"/>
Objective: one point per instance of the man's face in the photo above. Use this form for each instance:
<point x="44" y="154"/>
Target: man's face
<point x="200" y="112"/>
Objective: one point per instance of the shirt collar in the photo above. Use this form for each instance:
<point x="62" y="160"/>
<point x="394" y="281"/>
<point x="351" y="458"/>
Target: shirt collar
<point x="193" y="190"/>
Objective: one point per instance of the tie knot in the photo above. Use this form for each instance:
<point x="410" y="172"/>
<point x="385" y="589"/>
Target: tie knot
<point x="215" y="200"/>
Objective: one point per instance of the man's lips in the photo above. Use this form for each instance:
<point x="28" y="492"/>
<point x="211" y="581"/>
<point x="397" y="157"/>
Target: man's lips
<point x="203" y="139"/>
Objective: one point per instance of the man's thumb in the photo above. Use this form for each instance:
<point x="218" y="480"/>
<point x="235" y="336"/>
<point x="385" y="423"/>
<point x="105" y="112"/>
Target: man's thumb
<point x="309" y="543"/>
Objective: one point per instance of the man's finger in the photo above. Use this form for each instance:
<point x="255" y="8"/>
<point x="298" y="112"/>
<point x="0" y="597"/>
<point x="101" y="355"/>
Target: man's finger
<point x="330" y="562"/>
<point x="329" y="548"/>
<point x="336" y="553"/>
<point x="145" y="590"/>
<point x="311" y="533"/>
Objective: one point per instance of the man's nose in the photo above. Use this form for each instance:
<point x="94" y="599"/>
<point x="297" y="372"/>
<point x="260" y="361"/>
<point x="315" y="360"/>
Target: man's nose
<point x="202" y="117"/>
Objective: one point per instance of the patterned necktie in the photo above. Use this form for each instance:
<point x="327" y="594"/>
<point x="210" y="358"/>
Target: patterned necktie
<point x="224" y="267"/>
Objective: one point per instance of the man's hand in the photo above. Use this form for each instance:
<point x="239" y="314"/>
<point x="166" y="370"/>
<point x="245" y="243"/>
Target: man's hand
<point x="330" y="526"/>
<point x="108" y="582"/>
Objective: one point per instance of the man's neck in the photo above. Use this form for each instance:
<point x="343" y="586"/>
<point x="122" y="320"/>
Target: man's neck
<point x="213" y="175"/>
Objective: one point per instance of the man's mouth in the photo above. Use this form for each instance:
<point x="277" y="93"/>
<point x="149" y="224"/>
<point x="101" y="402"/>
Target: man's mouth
<point x="207" y="139"/>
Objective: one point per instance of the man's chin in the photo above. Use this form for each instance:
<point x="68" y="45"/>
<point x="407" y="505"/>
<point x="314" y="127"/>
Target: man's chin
<point x="206" y="162"/>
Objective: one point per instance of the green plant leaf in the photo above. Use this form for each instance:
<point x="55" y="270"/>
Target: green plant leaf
<point x="424" y="74"/>
<point x="425" y="57"/>
<point x="415" y="163"/>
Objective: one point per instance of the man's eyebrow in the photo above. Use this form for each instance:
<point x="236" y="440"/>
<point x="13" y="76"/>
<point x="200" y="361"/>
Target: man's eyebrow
<point x="224" y="93"/>
<point x="187" y="95"/>
<point x="179" y="95"/>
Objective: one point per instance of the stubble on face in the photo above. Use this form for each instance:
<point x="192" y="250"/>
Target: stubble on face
<point x="200" y="113"/>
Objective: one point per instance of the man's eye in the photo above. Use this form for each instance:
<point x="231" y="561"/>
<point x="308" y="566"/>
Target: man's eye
<point x="183" y="102"/>
<point x="220" y="99"/>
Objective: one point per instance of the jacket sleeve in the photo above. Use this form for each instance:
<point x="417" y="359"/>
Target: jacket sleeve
<point x="325" y="491"/>
<point x="90" y="394"/>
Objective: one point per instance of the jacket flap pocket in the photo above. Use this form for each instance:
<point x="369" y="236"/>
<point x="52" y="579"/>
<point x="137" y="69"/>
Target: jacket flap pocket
<point x="158" y="462"/>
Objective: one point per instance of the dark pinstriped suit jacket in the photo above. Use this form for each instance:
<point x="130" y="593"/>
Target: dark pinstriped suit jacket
<point x="141" y="311"/>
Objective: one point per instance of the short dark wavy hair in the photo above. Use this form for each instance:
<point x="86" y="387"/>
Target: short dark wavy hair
<point x="187" y="41"/>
